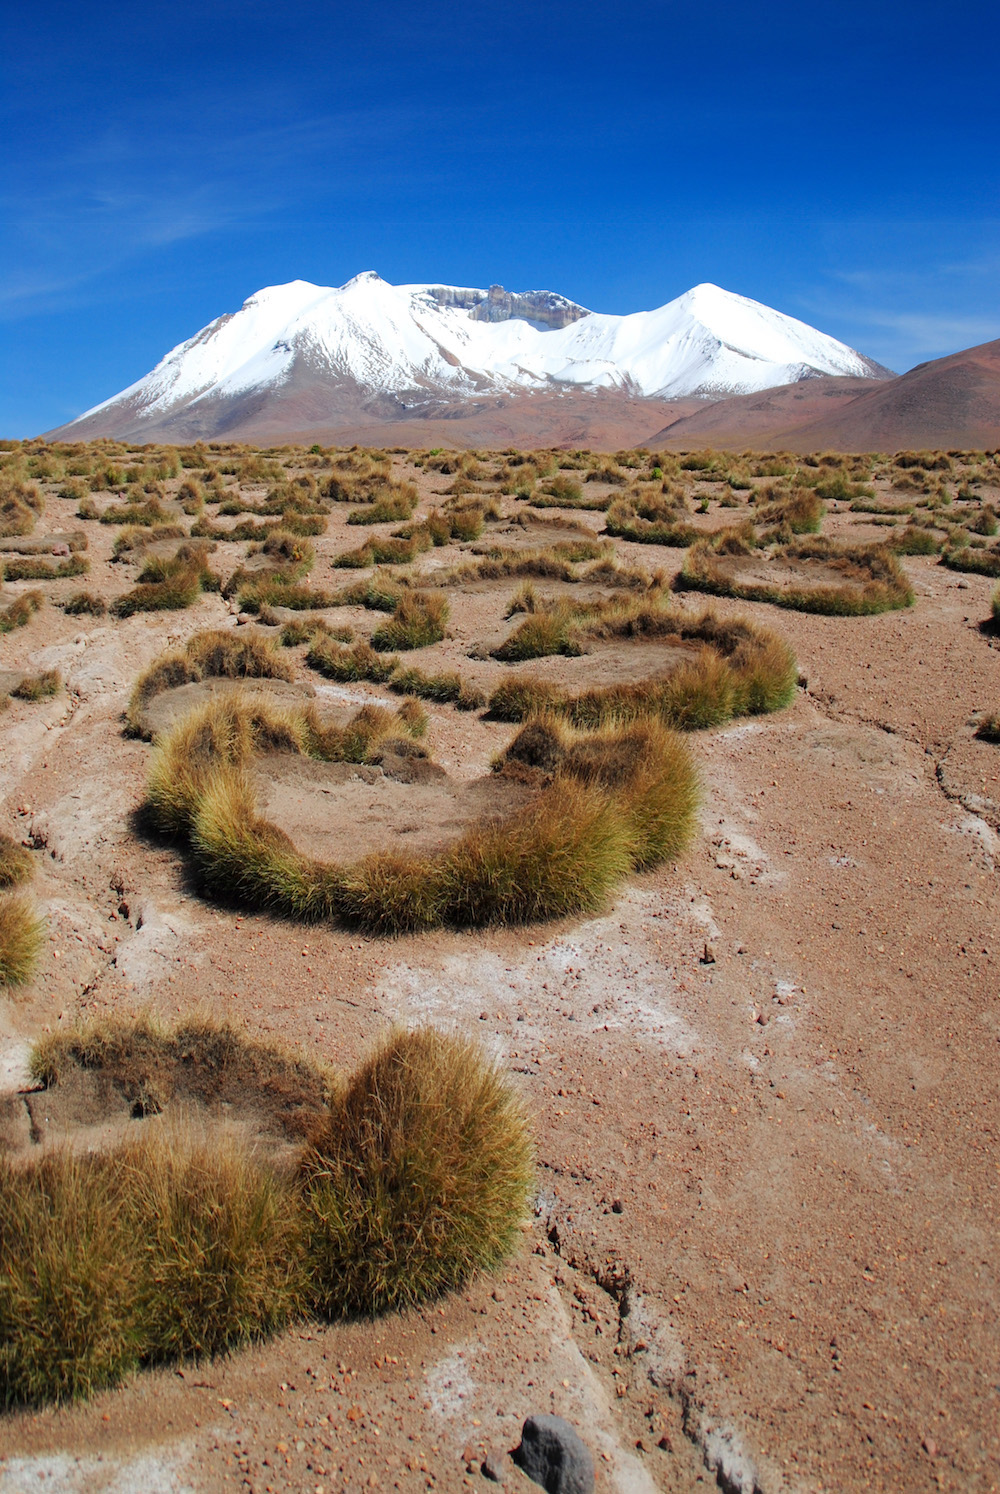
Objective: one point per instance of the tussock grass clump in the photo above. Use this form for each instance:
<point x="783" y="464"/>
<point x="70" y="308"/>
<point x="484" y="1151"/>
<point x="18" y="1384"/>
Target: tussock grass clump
<point x="32" y="568"/>
<point x="140" y="515"/>
<point x="743" y="669"/>
<point x="558" y="562"/>
<point x="873" y="580"/>
<point x="988" y="729"/>
<point x="38" y="686"/>
<point x="18" y="614"/>
<point x="16" y="865"/>
<point x="258" y="597"/>
<point x="166" y="1249"/>
<point x="392" y="503"/>
<point x="225" y="732"/>
<point x="800" y="512"/>
<point x="21" y="935"/>
<point x="418" y="620"/>
<point x="382" y="551"/>
<point x="137" y="538"/>
<point x="169" y="585"/>
<point x="422" y="1177"/>
<point x="446" y="688"/>
<point x="974" y="562"/>
<point x="544" y="632"/>
<point x="85" y="603"/>
<point x="914" y="539"/>
<point x="220" y="653"/>
<point x="186" y="1243"/>
<point x="652" y="517"/>
<point x="563" y="627"/>
<point x="150" y="1065"/>
<point x="360" y="662"/>
<point x="18" y="510"/>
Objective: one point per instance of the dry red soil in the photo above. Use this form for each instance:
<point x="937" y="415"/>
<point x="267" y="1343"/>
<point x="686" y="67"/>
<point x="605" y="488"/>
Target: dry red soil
<point x="764" y="1082"/>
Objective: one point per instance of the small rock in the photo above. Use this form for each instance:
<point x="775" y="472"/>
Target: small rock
<point x="552" y="1454"/>
<point x="708" y="957"/>
<point x="492" y="1468"/>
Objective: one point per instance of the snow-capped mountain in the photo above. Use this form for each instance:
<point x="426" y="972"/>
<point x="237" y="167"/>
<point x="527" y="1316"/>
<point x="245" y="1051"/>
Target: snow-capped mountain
<point x="400" y="351"/>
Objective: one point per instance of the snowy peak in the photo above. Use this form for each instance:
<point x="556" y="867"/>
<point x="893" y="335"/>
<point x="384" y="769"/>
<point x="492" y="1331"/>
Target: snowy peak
<point x="418" y="348"/>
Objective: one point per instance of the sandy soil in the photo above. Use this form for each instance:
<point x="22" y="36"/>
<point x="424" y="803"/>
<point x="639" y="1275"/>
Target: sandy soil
<point x="765" y="1083"/>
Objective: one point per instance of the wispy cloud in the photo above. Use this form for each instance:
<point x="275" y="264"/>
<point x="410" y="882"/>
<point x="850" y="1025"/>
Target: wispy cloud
<point x="118" y="195"/>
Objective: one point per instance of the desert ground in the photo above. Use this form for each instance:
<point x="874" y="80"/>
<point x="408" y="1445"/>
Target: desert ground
<point x="762" y="1077"/>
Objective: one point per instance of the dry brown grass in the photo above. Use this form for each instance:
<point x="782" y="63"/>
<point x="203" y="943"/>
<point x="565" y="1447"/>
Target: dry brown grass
<point x="220" y="653"/>
<point x="742" y="669"/>
<point x="873" y="580"/>
<point x="563" y="853"/>
<point x="422" y="1177"/>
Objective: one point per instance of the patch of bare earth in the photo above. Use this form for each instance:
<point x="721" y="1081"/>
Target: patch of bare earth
<point x="765" y="1081"/>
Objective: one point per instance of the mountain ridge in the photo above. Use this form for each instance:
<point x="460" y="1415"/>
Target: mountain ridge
<point x="299" y="355"/>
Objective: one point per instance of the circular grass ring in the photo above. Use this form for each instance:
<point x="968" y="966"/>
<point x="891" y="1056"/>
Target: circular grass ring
<point x="862" y="579"/>
<point x="617" y="801"/>
<point x="742" y="669"/>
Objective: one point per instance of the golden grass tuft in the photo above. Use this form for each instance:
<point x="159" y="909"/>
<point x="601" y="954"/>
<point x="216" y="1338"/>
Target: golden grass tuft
<point x="19" y="612"/>
<point x="418" y="620"/>
<point x="16" y="865"/>
<point x="742" y="669"/>
<point x="422" y="1177"/>
<point x="186" y="1243"/>
<point x="22" y="932"/>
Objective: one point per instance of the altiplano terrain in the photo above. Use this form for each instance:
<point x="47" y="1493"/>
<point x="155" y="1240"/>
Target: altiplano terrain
<point x="762" y="1076"/>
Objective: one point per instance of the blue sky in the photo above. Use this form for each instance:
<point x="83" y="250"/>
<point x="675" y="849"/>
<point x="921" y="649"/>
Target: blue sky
<point x="837" y="160"/>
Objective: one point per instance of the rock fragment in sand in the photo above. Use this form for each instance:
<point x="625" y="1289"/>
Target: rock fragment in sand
<point x="552" y="1454"/>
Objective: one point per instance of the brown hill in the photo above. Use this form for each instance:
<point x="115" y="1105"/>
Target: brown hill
<point x="753" y="419"/>
<point x="949" y="402"/>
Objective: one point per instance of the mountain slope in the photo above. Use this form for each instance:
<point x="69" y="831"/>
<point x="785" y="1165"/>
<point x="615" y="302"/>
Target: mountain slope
<point x="950" y="402"/>
<point x="301" y="356"/>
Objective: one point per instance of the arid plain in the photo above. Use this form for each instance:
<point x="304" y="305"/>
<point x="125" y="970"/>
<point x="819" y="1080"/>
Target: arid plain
<point x="762" y="1076"/>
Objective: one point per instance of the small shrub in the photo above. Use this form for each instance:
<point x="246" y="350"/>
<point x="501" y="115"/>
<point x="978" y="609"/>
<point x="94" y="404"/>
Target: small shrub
<point x="989" y="728"/>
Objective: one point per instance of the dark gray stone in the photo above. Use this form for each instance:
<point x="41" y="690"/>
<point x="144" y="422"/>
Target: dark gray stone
<point x="552" y="1454"/>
